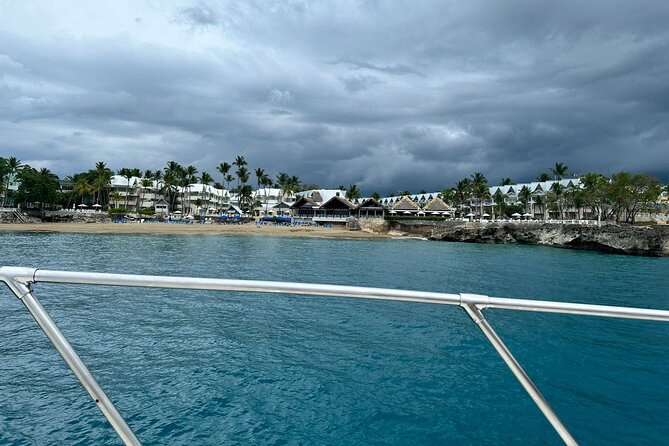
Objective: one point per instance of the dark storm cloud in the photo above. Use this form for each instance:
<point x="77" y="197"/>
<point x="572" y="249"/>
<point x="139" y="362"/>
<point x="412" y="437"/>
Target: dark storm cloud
<point x="390" y="95"/>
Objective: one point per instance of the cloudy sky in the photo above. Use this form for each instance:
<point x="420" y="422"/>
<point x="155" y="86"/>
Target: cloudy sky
<point x="386" y="94"/>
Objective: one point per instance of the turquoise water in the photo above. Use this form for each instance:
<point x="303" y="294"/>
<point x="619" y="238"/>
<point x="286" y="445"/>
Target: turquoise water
<point x="232" y="368"/>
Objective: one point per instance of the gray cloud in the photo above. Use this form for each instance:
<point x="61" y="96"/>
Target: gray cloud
<point x="389" y="95"/>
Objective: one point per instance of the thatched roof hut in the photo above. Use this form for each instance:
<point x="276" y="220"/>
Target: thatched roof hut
<point x="406" y="205"/>
<point x="437" y="205"/>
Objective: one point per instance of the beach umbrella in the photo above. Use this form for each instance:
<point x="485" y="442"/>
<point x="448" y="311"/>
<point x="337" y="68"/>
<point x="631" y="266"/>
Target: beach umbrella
<point x="515" y="215"/>
<point x="97" y="205"/>
<point x="82" y="205"/>
<point x="527" y="214"/>
<point x="435" y="213"/>
<point x="406" y="212"/>
<point x="446" y="213"/>
<point x="421" y="213"/>
<point x="393" y="212"/>
<point x="486" y="215"/>
<point x="471" y="214"/>
<point x="177" y="212"/>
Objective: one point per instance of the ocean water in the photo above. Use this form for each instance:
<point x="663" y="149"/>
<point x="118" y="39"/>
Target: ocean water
<point x="211" y="368"/>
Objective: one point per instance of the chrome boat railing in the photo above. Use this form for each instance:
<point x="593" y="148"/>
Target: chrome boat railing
<point x="20" y="281"/>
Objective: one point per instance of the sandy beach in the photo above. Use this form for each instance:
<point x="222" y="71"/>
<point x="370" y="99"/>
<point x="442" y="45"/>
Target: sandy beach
<point x="195" y="229"/>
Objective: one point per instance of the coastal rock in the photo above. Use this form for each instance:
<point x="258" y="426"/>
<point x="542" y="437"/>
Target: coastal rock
<point x="10" y="217"/>
<point x="619" y="239"/>
<point x="373" y="225"/>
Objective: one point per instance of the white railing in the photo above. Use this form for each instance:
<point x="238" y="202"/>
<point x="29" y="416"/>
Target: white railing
<point x="20" y="281"/>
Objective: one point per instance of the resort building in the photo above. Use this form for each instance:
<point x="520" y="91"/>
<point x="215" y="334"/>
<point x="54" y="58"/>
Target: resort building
<point x="336" y="210"/>
<point x="270" y="200"/>
<point x="135" y="193"/>
<point x="321" y="196"/>
<point x="370" y="208"/>
<point x="537" y="205"/>
<point x="203" y="199"/>
<point x="124" y="192"/>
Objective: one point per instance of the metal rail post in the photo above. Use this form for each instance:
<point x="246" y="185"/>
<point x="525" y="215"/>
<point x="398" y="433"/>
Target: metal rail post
<point x="25" y="295"/>
<point x="477" y="316"/>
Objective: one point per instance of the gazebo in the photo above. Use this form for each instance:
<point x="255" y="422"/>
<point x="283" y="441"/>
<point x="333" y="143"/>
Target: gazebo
<point x="406" y="206"/>
<point x="438" y="206"/>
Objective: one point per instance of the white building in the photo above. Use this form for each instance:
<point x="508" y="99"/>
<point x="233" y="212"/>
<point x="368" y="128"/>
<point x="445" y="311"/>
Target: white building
<point x="268" y="202"/>
<point x="199" y="199"/>
<point x="141" y="193"/>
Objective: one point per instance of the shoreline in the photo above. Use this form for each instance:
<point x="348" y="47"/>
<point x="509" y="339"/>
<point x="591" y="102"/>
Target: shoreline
<point x="194" y="229"/>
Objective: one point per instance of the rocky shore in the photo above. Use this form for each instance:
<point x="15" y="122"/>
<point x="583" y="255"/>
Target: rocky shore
<point x="617" y="239"/>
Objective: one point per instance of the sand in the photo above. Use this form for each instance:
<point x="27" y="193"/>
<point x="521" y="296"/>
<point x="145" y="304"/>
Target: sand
<point x="194" y="229"/>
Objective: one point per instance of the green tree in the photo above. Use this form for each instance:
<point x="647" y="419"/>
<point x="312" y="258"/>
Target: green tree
<point x="353" y="193"/>
<point x="506" y="181"/>
<point x="115" y="197"/>
<point x="224" y="169"/>
<point x="525" y="195"/>
<point x="500" y="201"/>
<point x="543" y="177"/>
<point x="37" y="186"/>
<point x="448" y="195"/>
<point x="206" y="179"/>
<point x="376" y="196"/>
<point x="631" y="193"/>
<point x="559" y="170"/>
<point x="463" y="193"/>
<point x="481" y="192"/>
<point x="127" y="174"/>
<point x="82" y="188"/>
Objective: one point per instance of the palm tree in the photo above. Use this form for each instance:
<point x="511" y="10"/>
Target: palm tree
<point x="224" y="169"/>
<point x="479" y="178"/>
<point x="13" y="166"/>
<point x="146" y="183"/>
<point x="206" y="180"/>
<point x="260" y="173"/>
<point x="463" y="192"/>
<point x="525" y="195"/>
<point x="559" y="171"/>
<point x="558" y="190"/>
<point x="228" y="179"/>
<point x="500" y="201"/>
<point x="282" y="180"/>
<point x="103" y="176"/>
<point x="540" y="203"/>
<point x="448" y="195"/>
<point x="266" y="183"/>
<point x="376" y="196"/>
<point x="543" y="177"/>
<point x="481" y="192"/>
<point x="190" y="178"/>
<point x="480" y="184"/>
<point x="172" y="177"/>
<point x="127" y="174"/>
<point x="83" y="187"/>
<point x="353" y="193"/>
<point x="115" y="196"/>
<point x="506" y="181"/>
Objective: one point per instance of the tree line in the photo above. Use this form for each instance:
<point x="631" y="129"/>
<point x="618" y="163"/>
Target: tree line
<point x="93" y="186"/>
<point x="619" y="197"/>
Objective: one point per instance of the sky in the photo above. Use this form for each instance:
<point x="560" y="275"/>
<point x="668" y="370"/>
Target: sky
<point x="387" y="95"/>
